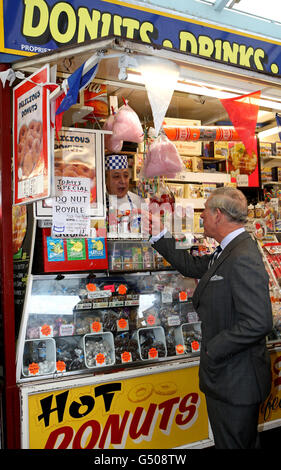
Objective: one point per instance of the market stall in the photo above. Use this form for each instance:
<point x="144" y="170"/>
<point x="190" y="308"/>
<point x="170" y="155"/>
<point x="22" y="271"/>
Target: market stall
<point x="109" y="342"/>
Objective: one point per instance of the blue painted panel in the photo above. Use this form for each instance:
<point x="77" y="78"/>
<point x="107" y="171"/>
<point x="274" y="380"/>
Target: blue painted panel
<point x="42" y="25"/>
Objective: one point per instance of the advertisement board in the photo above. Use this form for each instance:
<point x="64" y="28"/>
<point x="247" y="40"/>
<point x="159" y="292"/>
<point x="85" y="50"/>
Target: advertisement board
<point x="78" y="177"/>
<point x="271" y="409"/>
<point x="44" y="25"/>
<point x="31" y="138"/>
<point x="152" y="411"/>
<point x="74" y="254"/>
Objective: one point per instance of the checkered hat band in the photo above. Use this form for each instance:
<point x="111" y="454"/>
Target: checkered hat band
<point x="116" y="162"/>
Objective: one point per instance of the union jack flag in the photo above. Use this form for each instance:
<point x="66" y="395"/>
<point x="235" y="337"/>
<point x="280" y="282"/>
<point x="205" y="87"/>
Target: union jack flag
<point x="77" y="82"/>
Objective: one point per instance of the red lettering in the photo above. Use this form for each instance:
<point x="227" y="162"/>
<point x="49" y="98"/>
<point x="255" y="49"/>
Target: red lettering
<point x="116" y="430"/>
<point x="277" y="365"/>
<point x="189" y="405"/>
<point x="270" y="405"/>
<point x="144" y="429"/>
<point x="66" y="432"/>
<point x="277" y="371"/>
<point x="277" y="382"/>
<point x="167" y="406"/>
<point x="93" y="437"/>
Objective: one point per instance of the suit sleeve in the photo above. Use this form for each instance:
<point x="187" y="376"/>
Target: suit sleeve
<point x="181" y="260"/>
<point x="252" y="313"/>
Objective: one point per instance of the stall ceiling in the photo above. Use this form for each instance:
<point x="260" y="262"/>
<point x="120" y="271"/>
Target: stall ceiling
<point x="206" y="109"/>
<point x="183" y="105"/>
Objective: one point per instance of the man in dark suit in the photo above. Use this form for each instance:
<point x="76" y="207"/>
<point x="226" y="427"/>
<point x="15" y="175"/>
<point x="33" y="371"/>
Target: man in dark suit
<point x="233" y="303"/>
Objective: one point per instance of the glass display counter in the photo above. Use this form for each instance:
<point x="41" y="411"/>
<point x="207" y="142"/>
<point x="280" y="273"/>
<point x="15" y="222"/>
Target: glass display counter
<point x="79" y="324"/>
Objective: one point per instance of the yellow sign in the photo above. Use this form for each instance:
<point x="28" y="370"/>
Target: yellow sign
<point x="156" y="411"/>
<point x="271" y="408"/>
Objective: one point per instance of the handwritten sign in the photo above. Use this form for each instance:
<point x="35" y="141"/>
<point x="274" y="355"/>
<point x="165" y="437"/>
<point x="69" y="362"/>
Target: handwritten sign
<point x="71" y="207"/>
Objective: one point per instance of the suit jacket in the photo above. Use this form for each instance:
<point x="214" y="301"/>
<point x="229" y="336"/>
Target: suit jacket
<point x="233" y="304"/>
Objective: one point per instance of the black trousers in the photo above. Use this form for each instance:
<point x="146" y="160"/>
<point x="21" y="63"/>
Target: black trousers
<point x="233" y="427"/>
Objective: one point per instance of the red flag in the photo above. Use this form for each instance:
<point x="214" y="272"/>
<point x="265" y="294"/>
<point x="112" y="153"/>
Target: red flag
<point x="59" y="117"/>
<point x="243" y="113"/>
<point x="50" y="86"/>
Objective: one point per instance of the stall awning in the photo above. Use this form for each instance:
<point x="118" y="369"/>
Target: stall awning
<point x="198" y="77"/>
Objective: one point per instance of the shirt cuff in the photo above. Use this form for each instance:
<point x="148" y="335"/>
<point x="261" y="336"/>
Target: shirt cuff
<point x="155" y="238"/>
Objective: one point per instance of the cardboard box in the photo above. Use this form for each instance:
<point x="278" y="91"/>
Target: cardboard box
<point x="278" y="149"/>
<point x="266" y="174"/>
<point x="177" y="189"/>
<point x="197" y="164"/>
<point x="265" y="149"/>
<point x="198" y="223"/>
<point x="208" y="189"/>
<point x="193" y="191"/>
<point x="221" y="150"/>
<point x="95" y="96"/>
<point x="187" y="161"/>
<point x="216" y="149"/>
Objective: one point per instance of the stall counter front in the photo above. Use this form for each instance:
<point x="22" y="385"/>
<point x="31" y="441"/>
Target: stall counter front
<point x="155" y="408"/>
<point x="110" y="362"/>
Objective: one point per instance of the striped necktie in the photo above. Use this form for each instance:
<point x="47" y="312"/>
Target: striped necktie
<point x="215" y="255"/>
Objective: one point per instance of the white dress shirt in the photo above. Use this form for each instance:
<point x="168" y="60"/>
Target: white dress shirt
<point x="225" y="241"/>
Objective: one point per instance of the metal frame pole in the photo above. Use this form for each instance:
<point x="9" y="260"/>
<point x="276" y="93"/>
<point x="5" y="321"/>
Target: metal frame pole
<point x="11" y="413"/>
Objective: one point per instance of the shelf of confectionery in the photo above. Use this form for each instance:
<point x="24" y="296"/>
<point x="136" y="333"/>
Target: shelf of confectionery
<point x="270" y="183"/>
<point x="202" y="177"/>
<point x="271" y="161"/>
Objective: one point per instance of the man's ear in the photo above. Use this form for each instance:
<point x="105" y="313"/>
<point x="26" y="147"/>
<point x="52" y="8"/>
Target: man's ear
<point x="219" y="215"/>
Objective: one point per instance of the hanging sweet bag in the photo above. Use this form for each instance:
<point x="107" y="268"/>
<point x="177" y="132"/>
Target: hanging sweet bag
<point x="111" y="142"/>
<point x="127" y="126"/>
<point x="162" y="159"/>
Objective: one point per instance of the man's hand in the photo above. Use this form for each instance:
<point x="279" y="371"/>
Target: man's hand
<point x="151" y="221"/>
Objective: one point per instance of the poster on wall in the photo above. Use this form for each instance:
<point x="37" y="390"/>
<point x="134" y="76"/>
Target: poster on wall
<point x="78" y="192"/>
<point x="242" y="166"/>
<point x="31" y="138"/>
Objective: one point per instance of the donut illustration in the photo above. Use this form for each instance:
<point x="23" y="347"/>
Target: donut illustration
<point x="29" y="149"/>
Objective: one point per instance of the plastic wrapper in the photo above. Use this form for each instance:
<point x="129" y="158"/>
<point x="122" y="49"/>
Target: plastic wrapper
<point x="112" y="143"/>
<point x="162" y="159"/>
<point x="127" y="126"/>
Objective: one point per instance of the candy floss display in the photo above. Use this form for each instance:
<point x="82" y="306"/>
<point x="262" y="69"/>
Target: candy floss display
<point x="162" y="159"/>
<point x="125" y="126"/>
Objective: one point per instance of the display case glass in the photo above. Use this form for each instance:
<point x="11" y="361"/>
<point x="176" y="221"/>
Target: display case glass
<point x="78" y="323"/>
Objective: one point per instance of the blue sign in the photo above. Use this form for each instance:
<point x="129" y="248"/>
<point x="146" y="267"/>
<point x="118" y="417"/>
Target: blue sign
<point x="55" y="249"/>
<point x="37" y="26"/>
<point x="96" y="248"/>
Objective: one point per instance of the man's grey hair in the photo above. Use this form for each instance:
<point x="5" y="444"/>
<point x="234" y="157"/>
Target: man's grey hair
<point x="230" y="201"/>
